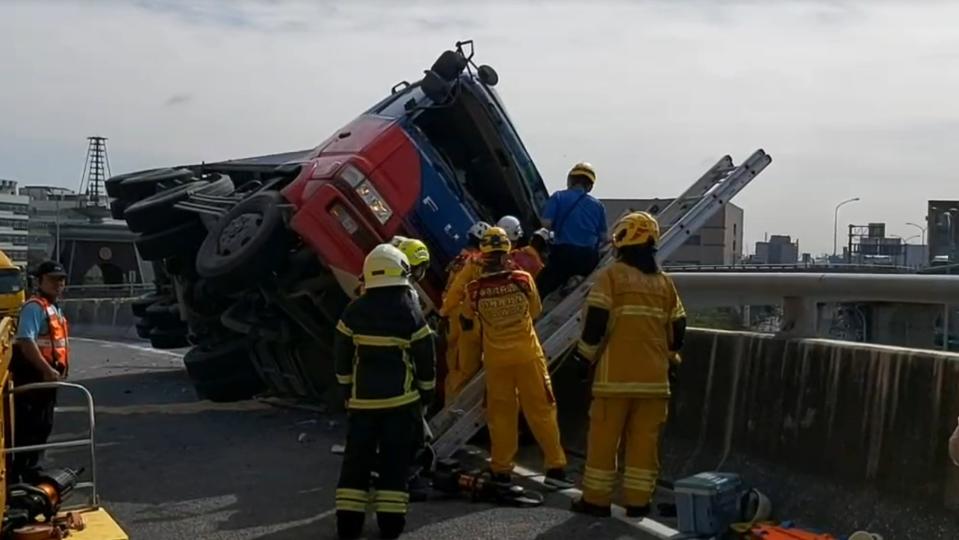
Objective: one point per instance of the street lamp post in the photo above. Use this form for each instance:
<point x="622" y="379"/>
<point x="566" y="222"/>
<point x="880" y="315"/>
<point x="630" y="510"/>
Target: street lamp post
<point x="922" y="230"/>
<point x="835" y="225"/>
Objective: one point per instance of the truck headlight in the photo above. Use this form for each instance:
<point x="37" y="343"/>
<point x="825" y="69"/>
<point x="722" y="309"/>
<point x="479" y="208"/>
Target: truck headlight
<point x="364" y="188"/>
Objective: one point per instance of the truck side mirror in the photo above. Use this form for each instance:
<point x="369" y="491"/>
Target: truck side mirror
<point x="435" y="87"/>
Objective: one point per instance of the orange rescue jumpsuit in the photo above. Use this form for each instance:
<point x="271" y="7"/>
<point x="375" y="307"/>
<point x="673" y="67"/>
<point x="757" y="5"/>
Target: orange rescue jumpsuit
<point x="505" y="305"/>
<point x="631" y="384"/>
<point x="527" y="259"/>
<point x="462" y="346"/>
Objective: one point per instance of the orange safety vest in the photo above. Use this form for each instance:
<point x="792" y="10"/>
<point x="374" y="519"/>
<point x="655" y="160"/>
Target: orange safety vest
<point x="54" y="345"/>
<point x="527" y="259"/>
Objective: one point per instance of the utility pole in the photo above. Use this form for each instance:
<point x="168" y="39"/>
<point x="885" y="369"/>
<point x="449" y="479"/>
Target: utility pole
<point x="835" y="225"/>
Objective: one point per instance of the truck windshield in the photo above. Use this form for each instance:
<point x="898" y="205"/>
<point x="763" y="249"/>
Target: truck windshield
<point x="10" y="281"/>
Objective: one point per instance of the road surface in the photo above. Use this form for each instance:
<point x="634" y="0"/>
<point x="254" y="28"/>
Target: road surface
<point x="172" y="467"/>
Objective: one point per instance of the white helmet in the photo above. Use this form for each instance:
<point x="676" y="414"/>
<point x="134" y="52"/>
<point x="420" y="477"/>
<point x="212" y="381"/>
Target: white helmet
<point x="386" y="266"/>
<point x="512" y="226"/>
<point x="478" y="230"/>
<point x="397" y="240"/>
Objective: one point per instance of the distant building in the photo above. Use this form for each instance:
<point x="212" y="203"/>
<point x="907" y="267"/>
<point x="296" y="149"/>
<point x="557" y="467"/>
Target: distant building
<point x="719" y="242"/>
<point x="14" y="222"/>
<point x="869" y="245"/>
<point x="778" y="249"/>
<point x="45" y="204"/>
<point x="942" y="231"/>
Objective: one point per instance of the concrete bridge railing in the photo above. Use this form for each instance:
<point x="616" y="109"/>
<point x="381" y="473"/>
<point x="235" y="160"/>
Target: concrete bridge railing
<point x="107" y="318"/>
<point x="819" y="425"/>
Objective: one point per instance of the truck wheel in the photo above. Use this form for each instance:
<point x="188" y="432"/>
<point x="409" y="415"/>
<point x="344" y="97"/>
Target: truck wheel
<point x="165" y="316"/>
<point x="113" y="183"/>
<point x="147" y="183"/>
<point x="167" y="243"/>
<point x="168" y="339"/>
<point x="139" y="305"/>
<point x="246" y="244"/>
<point x="157" y="212"/>
<point x="117" y="208"/>
<point x="143" y="328"/>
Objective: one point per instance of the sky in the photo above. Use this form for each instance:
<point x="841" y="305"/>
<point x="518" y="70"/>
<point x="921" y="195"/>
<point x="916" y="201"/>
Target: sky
<point x="851" y="99"/>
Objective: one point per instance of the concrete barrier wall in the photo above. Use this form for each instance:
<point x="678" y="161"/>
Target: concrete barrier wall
<point x="106" y="318"/>
<point x="859" y="412"/>
<point x="843" y="434"/>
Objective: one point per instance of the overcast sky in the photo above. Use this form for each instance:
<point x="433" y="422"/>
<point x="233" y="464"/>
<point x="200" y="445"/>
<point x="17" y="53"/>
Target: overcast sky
<point x="850" y="98"/>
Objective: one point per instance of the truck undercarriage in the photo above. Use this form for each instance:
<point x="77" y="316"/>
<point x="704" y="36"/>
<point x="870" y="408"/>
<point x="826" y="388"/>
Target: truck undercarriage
<point x="256" y="258"/>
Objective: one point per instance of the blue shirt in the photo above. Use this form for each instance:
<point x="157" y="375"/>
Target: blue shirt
<point x="583" y="225"/>
<point x="33" y="322"/>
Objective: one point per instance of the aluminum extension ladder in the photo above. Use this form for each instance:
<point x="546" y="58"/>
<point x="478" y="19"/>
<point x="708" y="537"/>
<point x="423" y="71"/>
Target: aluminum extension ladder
<point x="559" y="328"/>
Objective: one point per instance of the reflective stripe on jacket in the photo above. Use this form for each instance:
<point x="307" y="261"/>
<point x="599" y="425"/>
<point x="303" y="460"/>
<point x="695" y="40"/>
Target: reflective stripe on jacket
<point x="383" y="349"/>
<point x="635" y="350"/>
<point x="54" y="345"/>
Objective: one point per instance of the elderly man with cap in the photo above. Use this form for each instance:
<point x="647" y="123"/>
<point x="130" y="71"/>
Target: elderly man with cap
<point x="42" y="354"/>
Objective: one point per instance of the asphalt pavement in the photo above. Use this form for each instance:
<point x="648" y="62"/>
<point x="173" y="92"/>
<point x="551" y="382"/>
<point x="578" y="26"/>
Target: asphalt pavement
<point x="173" y="467"/>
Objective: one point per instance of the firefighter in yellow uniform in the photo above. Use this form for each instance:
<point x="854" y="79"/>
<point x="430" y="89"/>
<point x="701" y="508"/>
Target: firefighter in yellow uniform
<point x="504" y="303"/>
<point x="462" y="337"/>
<point x="635" y="323"/>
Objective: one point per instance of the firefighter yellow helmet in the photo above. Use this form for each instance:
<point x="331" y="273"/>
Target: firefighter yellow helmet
<point x="386" y="266"/>
<point x="635" y="229"/>
<point x="415" y="251"/>
<point x="417" y="254"/>
<point x="585" y="170"/>
<point x="495" y="240"/>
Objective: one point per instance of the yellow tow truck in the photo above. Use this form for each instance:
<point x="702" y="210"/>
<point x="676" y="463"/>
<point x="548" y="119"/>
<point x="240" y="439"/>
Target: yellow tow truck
<point x="40" y="509"/>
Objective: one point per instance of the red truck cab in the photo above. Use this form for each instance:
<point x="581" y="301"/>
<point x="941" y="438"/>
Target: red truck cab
<point x="427" y="162"/>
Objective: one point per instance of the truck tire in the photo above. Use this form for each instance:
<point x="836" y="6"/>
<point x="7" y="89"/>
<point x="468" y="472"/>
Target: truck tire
<point x="140" y="304"/>
<point x="147" y="183"/>
<point x="246" y="244"/>
<point x="179" y="239"/>
<point x="117" y="208"/>
<point x="165" y="316"/>
<point x="143" y="328"/>
<point x="168" y="339"/>
<point x="157" y="212"/>
<point x="113" y="183"/>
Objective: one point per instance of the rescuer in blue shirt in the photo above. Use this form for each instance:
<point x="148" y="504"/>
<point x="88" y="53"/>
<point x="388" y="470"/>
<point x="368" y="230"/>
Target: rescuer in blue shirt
<point x="578" y="222"/>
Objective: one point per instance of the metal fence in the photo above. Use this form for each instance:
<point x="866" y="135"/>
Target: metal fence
<point x="119" y="290"/>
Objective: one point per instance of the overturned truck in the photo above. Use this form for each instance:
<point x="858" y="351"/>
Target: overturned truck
<point x="258" y="257"/>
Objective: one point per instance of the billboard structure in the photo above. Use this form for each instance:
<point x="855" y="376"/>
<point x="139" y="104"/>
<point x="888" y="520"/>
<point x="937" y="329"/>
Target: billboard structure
<point x="942" y="225"/>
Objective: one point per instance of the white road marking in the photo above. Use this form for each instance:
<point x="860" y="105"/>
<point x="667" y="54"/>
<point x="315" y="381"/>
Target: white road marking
<point x="646" y="525"/>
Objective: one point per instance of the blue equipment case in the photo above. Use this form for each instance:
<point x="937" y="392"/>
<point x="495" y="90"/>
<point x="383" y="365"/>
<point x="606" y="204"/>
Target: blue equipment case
<point x="708" y="503"/>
